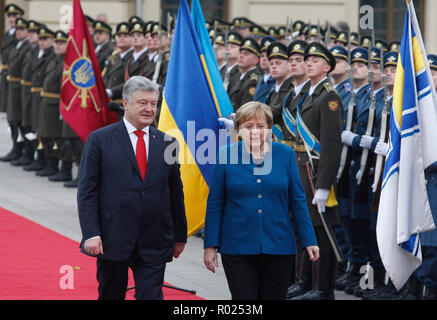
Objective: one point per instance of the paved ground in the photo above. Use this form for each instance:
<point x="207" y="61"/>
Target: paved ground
<point x="53" y="206"/>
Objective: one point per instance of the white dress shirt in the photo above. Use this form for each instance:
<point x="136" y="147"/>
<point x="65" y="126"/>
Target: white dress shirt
<point x="311" y="91"/>
<point x="136" y="55"/>
<point x="298" y="88"/>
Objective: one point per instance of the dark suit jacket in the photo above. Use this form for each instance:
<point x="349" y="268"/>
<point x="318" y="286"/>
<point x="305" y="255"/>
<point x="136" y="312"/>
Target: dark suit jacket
<point x="116" y="204"/>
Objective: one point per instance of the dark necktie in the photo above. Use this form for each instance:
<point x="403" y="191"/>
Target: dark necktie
<point x="141" y="153"/>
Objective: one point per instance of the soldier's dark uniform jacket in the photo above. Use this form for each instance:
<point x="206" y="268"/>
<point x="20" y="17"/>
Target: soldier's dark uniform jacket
<point x="38" y="72"/>
<point x="9" y="42"/>
<point x="234" y="83"/>
<point x="15" y="71"/>
<point x="51" y="125"/>
<point x="104" y="50"/>
<point x="26" y="85"/>
<point x="114" y="78"/>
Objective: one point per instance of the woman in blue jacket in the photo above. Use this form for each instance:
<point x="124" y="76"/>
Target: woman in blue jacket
<point x="255" y="198"/>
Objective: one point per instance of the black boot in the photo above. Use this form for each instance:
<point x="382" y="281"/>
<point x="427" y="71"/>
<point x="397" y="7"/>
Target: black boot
<point x="351" y="277"/>
<point x="14" y="154"/>
<point x="430" y="293"/>
<point x="64" y="174"/>
<point x="71" y="184"/>
<point x="326" y="279"/>
<point x="412" y="290"/>
<point x="37" y="164"/>
<point x="304" y="284"/>
<point x="50" y="169"/>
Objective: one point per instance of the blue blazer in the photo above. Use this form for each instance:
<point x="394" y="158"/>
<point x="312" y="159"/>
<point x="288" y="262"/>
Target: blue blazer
<point x="249" y="214"/>
<point x="116" y="204"/>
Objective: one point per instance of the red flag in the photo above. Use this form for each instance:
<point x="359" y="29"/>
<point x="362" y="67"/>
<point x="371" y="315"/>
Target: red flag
<point x="83" y="96"/>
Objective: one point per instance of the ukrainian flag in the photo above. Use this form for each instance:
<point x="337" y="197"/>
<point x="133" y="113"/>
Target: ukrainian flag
<point x="221" y="96"/>
<point x="189" y="105"/>
<point x="404" y="210"/>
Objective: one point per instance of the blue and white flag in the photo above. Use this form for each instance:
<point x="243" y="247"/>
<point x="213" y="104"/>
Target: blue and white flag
<point x="404" y="210"/>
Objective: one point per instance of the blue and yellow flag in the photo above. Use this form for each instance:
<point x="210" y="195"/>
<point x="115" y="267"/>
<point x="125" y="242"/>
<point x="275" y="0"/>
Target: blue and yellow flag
<point x="188" y="108"/>
<point x="404" y="210"/>
<point x="218" y="90"/>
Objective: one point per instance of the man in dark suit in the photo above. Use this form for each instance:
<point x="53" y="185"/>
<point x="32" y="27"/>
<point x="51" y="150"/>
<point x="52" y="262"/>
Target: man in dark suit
<point x="130" y="198"/>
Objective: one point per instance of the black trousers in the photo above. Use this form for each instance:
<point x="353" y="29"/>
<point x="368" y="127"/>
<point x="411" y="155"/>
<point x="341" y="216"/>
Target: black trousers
<point x="258" y="277"/>
<point x="113" y="278"/>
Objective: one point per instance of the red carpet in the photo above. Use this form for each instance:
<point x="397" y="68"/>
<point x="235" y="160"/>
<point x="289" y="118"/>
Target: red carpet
<point x="31" y="257"/>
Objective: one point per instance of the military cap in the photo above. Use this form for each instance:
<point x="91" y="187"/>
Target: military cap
<point x="13" y="8"/>
<point x="391" y="59"/>
<point x="258" y="31"/>
<point x="137" y="27"/>
<point x="272" y="32"/>
<point x="381" y="44"/>
<point x="148" y="26"/>
<point x="172" y="22"/>
<point x="219" y="23"/>
<point x="155" y="28"/>
<point x="242" y="22"/>
<point x="277" y="50"/>
<point x="339" y="52"/>
<point x="360" y="54"/>
<point x="220" y="38"/>
<point x="21" y="23"/>
<point x="314" y="31"/>
<point x="304" y="30"/>
<point x="366" y="41"/>
<point x="298" y="25"/>
<point x="251" y="45"/>
<point x="394" y="46"/>
<point x="432" y="59"/>
<point x="333" y="32"/>
<point x="266" y="41"/>
<point x="235" y="38"/>
<point x="375" y="55"/>
<point x="90" y="21"/>
<point x="281" y="32"/>
<point x="212" y="30"/>
<point x="319" y="50"/>
<point x="355" y="38"/>
<point x="44" y="32"/>
<point x="342" y="37"/>
<point x="297" y="46"/>
<point x="135" y="19"/>
<point x="208" y="24"/>
<point x="102" y="26"/>
<point x="33" y="25"/>
<point x="61" y="36"/>
<point x="122" y="27"/>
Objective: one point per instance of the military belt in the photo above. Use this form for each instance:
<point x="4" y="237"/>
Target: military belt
<point x="4" y="67"/>
<point x="45" y="94"/>
<point x="36" y="89"/>
<point x="25" y="83"/>
<point x="13" y="79"/>
<point x="289" y="143"/>
<point x="300" y="148"/>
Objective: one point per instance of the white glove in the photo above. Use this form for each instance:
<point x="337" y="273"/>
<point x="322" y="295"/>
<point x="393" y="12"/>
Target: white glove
<point x="320" y="198"/>
<point x="366" y="142"/>
<point x="347" y="137"/>
<point x="231" y="116"/>
<point x="381" y="148"/>
<point x="30" y="136"/>
<point x="109" y="92"/>
<point x="229" y="124"/>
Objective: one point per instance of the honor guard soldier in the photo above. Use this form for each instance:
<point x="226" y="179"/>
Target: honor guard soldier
<point x="258" y="33"/>
<point x="318" y="149"/>
<point x="394" y="46"/>
<point x="50" y="124"/>
<point x="356" y="204"/>
<point x="242" y="25"/>
<point x="160" y="51"/>
<point x="102" y="40"/>
<point x="15" y="72"/>
<point x="277" y="54"/>
<point x="9" y="42"/>
<point x="266" y="82"/>
<point x="220" y="52"/>
<point x="333" y="33"/>
<point x="342" y="39"/>
<point x="381" y="44"/>
<point x="45" y="56"/>
<point x="232" y="74"/>
<point x="114" y="74"/>
<point x="366" y="41"/>
<point x="90" y="23"/>
<point x="248" y="65"/>
<point x="30" y="139"/>
<point x="355" y="40"/>
<point x="340" y="76"/>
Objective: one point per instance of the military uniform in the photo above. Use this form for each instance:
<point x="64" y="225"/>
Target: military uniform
<point x="322" y="112"/>
<point x="231" y="75"/>
<point x="104" y="50"/>
<point x="266" y="82"/>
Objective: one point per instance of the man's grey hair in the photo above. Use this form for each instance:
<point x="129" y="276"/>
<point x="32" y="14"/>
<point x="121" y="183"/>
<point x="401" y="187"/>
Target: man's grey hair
<point x="138" y="83"/>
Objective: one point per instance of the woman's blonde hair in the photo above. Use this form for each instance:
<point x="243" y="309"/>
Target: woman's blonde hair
<point x="252" y="110"/>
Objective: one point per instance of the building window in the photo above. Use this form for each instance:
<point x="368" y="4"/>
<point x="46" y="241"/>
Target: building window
<point x="211" y="8"/>
<point x="390" y="15"/>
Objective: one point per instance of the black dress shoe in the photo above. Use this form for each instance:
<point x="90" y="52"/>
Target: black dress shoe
<point x="11" y="156"/>
<point x="34" y="166"/>
<point x="71" y="184"/>
<point x="22" y="161"/>
<point x="316" y="295"/>
<point x="61" y="176"/>
<point x="297" y="289"/>
<point x="46" y="172"/>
